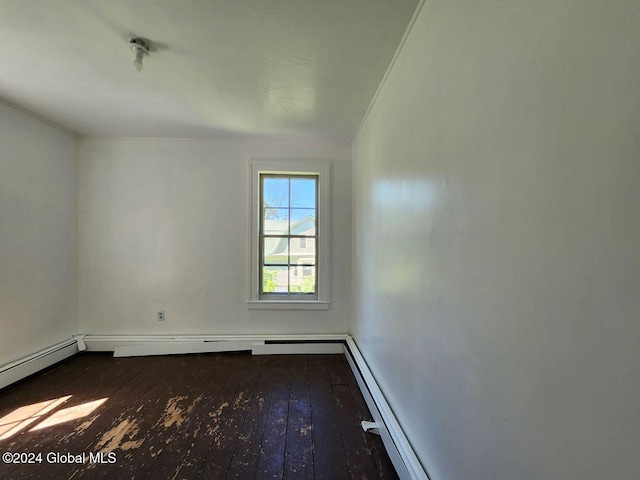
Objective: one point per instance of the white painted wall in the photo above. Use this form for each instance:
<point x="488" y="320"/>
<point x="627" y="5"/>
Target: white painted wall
<point x="497" y="239"/>
<point x="164" y="226"/>
<point x="38" y="232"/>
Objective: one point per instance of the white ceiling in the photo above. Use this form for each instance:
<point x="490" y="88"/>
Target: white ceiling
<point x="277" y="69"/>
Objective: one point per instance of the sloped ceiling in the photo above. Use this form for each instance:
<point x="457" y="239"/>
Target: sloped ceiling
<point x="271" y="69"/>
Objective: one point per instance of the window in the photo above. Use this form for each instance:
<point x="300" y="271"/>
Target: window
<point x="289" y="233"/>
<point x="288" y="206"/>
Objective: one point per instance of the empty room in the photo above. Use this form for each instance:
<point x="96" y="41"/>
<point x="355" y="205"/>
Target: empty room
<point x="303" y="239"/>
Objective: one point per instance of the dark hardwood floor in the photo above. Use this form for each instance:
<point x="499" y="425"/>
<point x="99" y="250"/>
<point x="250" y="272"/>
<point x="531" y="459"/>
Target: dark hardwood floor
<point x="207" y="416"/>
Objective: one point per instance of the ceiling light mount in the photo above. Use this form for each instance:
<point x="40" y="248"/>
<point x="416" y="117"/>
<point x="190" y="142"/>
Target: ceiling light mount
<point x="140" y="47"/>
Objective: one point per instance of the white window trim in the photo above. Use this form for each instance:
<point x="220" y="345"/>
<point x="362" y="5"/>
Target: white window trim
<point x="292" y="166"/>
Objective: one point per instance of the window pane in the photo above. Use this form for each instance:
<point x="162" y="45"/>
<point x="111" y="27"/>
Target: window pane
<point x="274" y="279"/>
<point x="275" y="192"/>
<point x="303" y="221"/>
<point x="303" y="279"/>
<point x="276" y="251"/>
<point x="303" y="256"/>
<point x="303" y="192"/>
<point x="276" y="221"/>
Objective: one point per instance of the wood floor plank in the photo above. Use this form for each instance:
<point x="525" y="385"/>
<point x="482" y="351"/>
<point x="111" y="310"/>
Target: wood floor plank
<point x="190" y="444"/>
<point x="137" y="438"/>
<point x="245" y="457"/>
<point x="226" y="438"/>
<point x="339" y="370"/>
<point x="76" y="436"/>
<point x="328" y="453"/>
<point x="213" y="373"/>
<point x="123" y="404"/>
<point x="211" y="416"/>
<point x="117" y="414"/>
<point x="360" y="462"/>
<point x="298" y="461"/>
<point x="163" y="409"/>
<point x="271" y="460"/>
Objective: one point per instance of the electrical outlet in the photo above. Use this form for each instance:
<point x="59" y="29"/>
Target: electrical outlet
<point x="161" y="316"/>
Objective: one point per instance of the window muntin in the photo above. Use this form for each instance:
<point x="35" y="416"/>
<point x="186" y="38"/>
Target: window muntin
<point x="288" y="236"/>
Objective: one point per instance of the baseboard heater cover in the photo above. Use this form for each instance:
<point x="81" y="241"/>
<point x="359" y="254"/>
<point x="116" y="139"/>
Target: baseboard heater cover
<point x="179" y="348"/>
<point x="297" y="348"/>
<point x="20" y="369"/>
<point x="142" y="345"/>
<point x="395" y="441"/>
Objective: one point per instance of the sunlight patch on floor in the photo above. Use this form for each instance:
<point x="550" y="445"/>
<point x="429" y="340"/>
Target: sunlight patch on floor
<point x="24" y="416"/>
<point x="71" y="413"/>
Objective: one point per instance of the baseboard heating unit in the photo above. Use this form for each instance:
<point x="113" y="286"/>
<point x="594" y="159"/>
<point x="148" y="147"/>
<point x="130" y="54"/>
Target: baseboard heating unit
<point x="14" y="371"/>
<point x="396" y="443"/>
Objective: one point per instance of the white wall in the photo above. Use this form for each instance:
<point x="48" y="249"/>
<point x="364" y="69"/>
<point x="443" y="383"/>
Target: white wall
<point x="38" y="231"/>
<point x="164" y="226"/>
<point x="497" y="239"/>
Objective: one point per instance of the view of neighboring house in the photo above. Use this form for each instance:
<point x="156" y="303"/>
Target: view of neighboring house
<point x="297" y="253"/>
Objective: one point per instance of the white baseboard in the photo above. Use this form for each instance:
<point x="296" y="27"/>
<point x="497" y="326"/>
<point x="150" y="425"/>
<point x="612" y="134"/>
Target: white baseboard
<point x="140" y="345"/>
<point x="14" y="371"/>
<point x="398" y="447"/>
<point x="178" y="347"/>
<point x="296" y="348"/>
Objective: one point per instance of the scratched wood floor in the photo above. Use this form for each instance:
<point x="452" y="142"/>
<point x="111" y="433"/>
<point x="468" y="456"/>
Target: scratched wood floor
<point x="207" y="416"/>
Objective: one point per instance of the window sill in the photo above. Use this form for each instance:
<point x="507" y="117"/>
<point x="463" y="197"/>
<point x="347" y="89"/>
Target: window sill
<point x="287" y="305"/>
